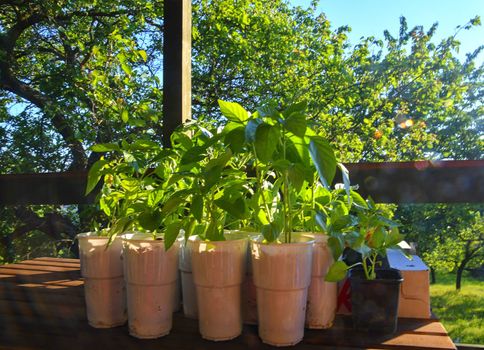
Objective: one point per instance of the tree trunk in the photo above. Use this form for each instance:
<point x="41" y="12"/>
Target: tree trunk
<point x="458" y="278"/>
<point x="432" y="276"/>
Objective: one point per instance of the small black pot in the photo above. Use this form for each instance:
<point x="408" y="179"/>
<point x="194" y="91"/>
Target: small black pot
<point x="374" y="304"/>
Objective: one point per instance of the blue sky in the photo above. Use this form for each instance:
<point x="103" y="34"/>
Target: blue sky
<point x="372" y="17"/>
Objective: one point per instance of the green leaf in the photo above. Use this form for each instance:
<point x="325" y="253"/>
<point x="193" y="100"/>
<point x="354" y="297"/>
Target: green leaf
<point x="336" y="244"/>
<point x="219" y="162"/>
<point x="394" y="237"/>
<point x="181" y="140"/>
<point x="387" y="222"/>
<point x="358" y="200"/>
<point x="324" y="159"/>
<point x="144" y="144"/>
<point x="155" y="197"/>
<point x="196" y="207"/>
<point x="94" y="175"/>
<point x="297" y="151"/>
<point x="104" y="206"/>
<point x="214" y="232"/>
<point x="354" y="239"/>
<point x="268" y="111"/>
<point x="237" y="208"/>
<point x="299" y="107"/>
<point x="143" y="55"/>
<point x="233" y="111"/>
<point x="120" y="226"/>
<point x="266" y="141"/>
<point x="236" y="139"/>
<point x="270" y="232"/>
<point x="364" y="250"/>
<point x="296" y="176"/>
<point x="105" y="147"/>
<point x="262" y="217"/>
<point x="171" y="233"/>
<point x="150" y="220"/>
<point x="124" y="115"/>
<point x="173" y="202"/>
<point x="320" y="218"/>
<point x="127" y="69"/>
<point x="336" y="272"/>
<point x="377" y="238"/>
<point x="214" y="168"/>
<point x="193" y="155"/>
<point x="341" y="222"/>
<point x="211" y="177"/>
<point x="281" y="165"/>
<point x="346" y="181"/>
<point x="296" y="123"/>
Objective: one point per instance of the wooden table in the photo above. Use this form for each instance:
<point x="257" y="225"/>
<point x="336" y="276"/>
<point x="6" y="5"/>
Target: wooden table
<point x="42" y="307"/>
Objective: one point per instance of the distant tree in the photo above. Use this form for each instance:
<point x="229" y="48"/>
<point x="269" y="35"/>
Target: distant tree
<point x="456" y="252"/>
<point x="449" y="237"/>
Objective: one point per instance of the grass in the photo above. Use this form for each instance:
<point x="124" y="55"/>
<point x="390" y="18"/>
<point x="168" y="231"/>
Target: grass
<point x="461" y="312"/>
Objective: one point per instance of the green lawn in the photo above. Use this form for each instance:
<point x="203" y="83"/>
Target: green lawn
<point x="462" y="313"/>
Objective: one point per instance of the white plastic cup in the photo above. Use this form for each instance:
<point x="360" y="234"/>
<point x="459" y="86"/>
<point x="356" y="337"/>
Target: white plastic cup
<point x="189" y="293"/>
<point x="322" y="295"/>
<point x="218" y="271"/>
<point x="151" y="277"/>
<point x="102" y="269"/>
<point x="282" y="274"/>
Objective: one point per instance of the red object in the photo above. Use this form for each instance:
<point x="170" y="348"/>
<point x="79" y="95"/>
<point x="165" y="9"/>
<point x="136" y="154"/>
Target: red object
<point x="344" y="296"/>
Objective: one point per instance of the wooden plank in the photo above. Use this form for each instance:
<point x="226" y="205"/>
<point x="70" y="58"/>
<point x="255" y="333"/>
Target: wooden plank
<point x="58" y="260"/>
<point x="398" y="182"/>
<point x="176" y="65"/>
<point x="421" y="182"/>
<point x="40" y="263"/>
<point x="44" y="188"/>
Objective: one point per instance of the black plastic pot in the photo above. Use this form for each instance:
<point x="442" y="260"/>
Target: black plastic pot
<point x="374" y="304"/>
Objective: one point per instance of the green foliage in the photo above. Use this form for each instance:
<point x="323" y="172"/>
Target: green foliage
<point x="448" y="236"/>
<point x="279" y="143"/>
<point x="364" y="228"/>
<point x="453" y="308"/>
<point x="217" y="186"/>
<point x="464" y="249"/>
<point x="403" y="97"/>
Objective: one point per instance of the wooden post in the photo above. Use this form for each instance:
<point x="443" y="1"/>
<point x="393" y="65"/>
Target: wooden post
<point x="176" y="65"/>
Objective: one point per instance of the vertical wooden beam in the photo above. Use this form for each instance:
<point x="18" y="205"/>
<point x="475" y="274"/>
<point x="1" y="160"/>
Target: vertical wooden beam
<point x="177" y="72"/>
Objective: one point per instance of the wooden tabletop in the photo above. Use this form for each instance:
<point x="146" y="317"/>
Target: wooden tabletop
<point x="42" y="307"/>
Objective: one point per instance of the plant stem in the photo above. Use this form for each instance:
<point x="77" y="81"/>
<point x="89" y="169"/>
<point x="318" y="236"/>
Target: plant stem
<point x="373" y="264"/>
<point x="313" y="204"/>
<point x="259" y="185"/>
<point x="286" y="200"/>
<point x="365" y="267"/>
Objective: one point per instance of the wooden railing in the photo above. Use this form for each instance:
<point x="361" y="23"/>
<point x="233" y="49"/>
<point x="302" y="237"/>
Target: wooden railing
<point x="396" y="182"/>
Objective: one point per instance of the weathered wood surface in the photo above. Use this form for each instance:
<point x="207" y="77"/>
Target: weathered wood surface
<point x="399" y="182"/>
<point x="42" y="307"/>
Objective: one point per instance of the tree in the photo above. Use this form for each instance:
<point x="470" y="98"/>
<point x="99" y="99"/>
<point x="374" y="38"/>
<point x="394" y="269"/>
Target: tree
<point x="73" y="73"/>
<point x="458" y="251"/>
<point x="400" y="98"/>
<point x="69" y="76"/>
<point x="448" y="236"/>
